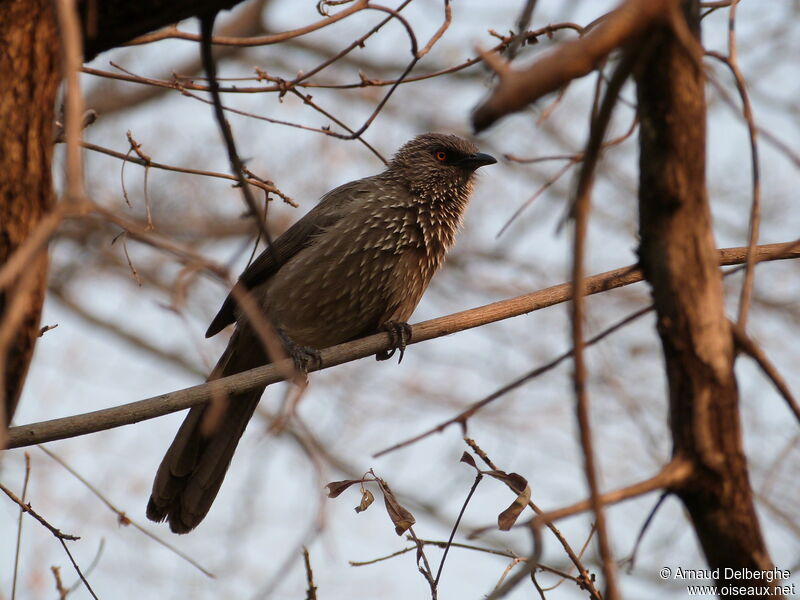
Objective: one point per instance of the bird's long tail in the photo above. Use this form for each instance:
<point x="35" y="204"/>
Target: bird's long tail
<point x="194" y="466"/>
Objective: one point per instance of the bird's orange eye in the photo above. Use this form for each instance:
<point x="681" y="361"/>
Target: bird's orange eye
<point x="441" y="156"/>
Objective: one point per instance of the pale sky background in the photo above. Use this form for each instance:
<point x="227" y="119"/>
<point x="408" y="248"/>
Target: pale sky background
<point x="272" y="494"/>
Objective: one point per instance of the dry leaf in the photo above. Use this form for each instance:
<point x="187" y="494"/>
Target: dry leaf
<point x="507" y="518"/>
<point x="514" y="480"/>
<point x="401" y="518"/>
<point x="467" y="458"/>
<point x="366" y="499"/>
<point x="337" y="487"/>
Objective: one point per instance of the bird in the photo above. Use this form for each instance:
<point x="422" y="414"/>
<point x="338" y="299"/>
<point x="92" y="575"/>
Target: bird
<point x="356" y="264"/>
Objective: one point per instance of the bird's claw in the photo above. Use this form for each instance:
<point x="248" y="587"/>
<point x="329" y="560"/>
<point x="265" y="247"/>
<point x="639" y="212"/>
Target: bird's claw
<point x="399" y="336"/>
<point x="305" y="358"/>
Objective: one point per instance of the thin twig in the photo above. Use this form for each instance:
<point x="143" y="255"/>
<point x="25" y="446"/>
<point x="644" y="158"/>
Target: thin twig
<point x="62" y="537"/>
<point x="425" y="567"/>
<point x="478" y="478"/>
<point x="77" y="568"/>
<point x="746" y="343"/>
<point x="128" y="336"/>
<point x="497" y="586"/>
<point x="577" y="156"/>
<point x="259" y="183"/>
<point x="19" y="525"/>
<point x="462" y="417"/>
<point x="282" y="86"/>
<point x="537" y="586"/>
<point x="311" y="589"/>
<point x="585" y="580"/>
<point x="123" y="517"/>
<point x="72" y="51"/>
<point x="26" y="507"/>
<point x="62" y="591"/>
<point x="755" y="208"/>
<point x="173" y="32"/>
<point x="581" y="206"/>
<point x="307" y="99"/>
<point x="543" y="188"/>
<point x="92" y="565"/>
<point x="523" y="22"/>
<point x="647" y="521"/>
<point x="207" y="26"/>
<point x="448" y="17"/>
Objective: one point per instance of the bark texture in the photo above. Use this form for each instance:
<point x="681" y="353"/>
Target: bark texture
<point x="30" y="71"/>
<point x="678" y="258"/>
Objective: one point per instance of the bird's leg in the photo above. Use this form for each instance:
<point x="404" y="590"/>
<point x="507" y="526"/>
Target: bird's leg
<point x="304" y="357"/>
<point x="399" y="335"/>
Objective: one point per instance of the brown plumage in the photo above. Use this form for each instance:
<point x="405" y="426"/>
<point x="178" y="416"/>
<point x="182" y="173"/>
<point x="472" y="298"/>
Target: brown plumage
<point x="360" y="259"/>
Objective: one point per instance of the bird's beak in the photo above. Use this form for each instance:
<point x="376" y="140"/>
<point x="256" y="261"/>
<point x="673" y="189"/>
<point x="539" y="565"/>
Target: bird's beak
<point x="477" y="160"/>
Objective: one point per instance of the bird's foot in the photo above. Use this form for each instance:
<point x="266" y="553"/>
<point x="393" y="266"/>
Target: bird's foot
<point x="399" y="336"/>
<point x="305" y="358"/>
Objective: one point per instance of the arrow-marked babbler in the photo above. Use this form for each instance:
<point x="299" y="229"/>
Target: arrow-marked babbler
<point x="356" y="264"/>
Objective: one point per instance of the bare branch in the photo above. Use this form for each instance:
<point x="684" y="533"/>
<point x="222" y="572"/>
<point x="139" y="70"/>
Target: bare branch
<point x="267" y="186"/>
<point x="26" y="435"/>
<point x="581" y="206"/>
<point x="72" y="48"/>
<point x="755" y="209"/>
<point x="26" y="507"/>
<point x="756" y="352"/>
<point x="19" y="526"/>
<point x="672" y="475"/>
<point x="122" y="517"/>
<point x="571" y="60"/>
<point x="260" y="40"/>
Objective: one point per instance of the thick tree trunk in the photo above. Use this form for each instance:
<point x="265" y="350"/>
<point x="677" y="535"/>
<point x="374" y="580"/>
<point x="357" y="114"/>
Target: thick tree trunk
<point x="678" y="258"/>
<point x="29" y="71"/>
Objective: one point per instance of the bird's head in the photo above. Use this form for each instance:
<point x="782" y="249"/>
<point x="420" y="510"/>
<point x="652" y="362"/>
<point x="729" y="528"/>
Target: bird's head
<point x="438" y="163"/>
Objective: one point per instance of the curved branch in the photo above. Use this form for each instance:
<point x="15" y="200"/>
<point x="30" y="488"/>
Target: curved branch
<point x="259" y="40"/>
<point x="673" y="475"/>
<point x="574" y="59"/>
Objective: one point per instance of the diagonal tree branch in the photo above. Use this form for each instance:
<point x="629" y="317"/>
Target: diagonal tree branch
<point x="571" y="60"/>
<point x="127" y="414"/>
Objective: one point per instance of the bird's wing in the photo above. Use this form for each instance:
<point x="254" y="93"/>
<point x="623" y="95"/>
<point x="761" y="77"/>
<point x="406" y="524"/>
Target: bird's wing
<point x="329" y="210"/>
